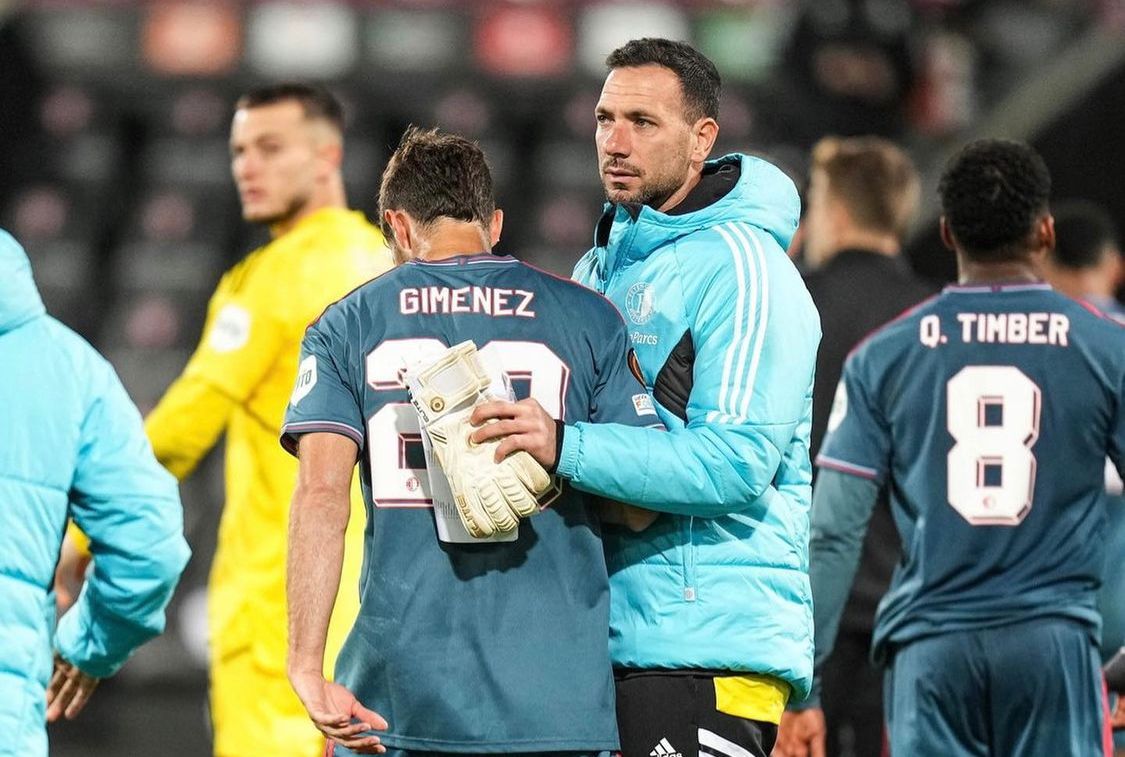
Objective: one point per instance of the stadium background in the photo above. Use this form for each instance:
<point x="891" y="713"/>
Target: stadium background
<point x="114" y="168"/>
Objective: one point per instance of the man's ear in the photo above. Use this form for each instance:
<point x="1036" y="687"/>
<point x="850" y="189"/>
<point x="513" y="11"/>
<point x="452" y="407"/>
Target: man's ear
<point x="947" y="235"/>
<point x="703" y="135"/>
<point x="1045" y="232"/>
<point x="399" y="223"/>
<point x="496" y="225"/>
<point x="1044" y="242"/>
<point x="328" y="148"/>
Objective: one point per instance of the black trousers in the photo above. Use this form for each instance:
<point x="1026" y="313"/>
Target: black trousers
<point x="674" y="715"/>
<point x="852" y="698"/>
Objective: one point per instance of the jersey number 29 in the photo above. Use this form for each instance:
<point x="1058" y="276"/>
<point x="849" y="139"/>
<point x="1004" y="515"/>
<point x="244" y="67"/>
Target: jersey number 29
<point x="393" y="482"/>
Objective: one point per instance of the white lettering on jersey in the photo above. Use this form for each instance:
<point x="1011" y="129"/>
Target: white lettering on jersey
<point x="231" y="329"/>
<point x="434" y="300"/>
<point x="929" y="331"/>
<point x="839" y="407"/>
<point x="306" y="379"/>
<point x="1014" y="328"/>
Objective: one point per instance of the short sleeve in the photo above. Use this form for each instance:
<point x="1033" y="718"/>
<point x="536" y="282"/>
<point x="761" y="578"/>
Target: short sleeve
<point x="323" y="398"/>
<point x="619" y="393"/>
<point x="858" y="440"/>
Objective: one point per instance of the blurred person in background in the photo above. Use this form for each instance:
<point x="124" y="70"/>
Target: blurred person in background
<point x="710" y="615"/>
<point x="863" y="193"/>
<point x="988" y="411"/>
<point x="74" y="447"/>
<point x="286" y="150"/>
<point x="1086" y="263"/>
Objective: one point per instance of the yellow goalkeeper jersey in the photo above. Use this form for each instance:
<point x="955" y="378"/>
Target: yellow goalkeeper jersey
<point x="239" y="380"/>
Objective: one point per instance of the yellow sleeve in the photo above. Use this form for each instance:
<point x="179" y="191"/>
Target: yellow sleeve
<point x="187" y="423"/>
<point x="242" y="340"/>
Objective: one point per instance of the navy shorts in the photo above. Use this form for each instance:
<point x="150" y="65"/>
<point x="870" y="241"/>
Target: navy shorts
<point x="1021" y="690"/>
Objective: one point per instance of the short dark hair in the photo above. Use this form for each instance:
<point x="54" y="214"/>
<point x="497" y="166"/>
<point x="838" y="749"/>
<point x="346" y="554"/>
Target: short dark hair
<point x="317" y="102"/>
<point x="992" y="192"/>
<point x="699" y="79"/>
<point x="873" y="178"/>
<point x="433" y="175"/>
<point x="1083" y="232"/>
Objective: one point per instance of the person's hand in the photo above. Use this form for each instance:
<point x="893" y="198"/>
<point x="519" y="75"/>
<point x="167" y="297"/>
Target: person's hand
<point x="69" y="575"/>
<point x="333" y="710"/>
<point x="801" y="734"/>
<point x="524" y="425"/>
<point x="1117" y="721"/>
<point x="491" y="493"/>
<point x="68" y="691"/>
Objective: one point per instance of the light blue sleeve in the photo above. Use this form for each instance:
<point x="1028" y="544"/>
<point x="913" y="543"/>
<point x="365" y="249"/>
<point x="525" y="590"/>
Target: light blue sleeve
<point x="129" y="506"/>
<point x="755" y="333"/>
<point x="841" y="508"/>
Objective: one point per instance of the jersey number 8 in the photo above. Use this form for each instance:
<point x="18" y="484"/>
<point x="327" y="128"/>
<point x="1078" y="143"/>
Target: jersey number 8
<point x="993" y="417"/>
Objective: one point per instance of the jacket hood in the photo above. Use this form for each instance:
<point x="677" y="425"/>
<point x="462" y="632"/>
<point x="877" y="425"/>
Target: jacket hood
<point x="763" y="196"/>
<point x="19" y="299"/>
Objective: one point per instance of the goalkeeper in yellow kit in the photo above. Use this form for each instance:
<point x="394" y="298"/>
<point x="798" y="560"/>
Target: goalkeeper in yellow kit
<point x="286" y="148"/>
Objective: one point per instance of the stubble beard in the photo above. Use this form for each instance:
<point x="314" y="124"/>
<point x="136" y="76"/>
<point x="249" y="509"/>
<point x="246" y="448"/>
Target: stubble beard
<point x="652" y="192"/>
<point x="292" y="210"/>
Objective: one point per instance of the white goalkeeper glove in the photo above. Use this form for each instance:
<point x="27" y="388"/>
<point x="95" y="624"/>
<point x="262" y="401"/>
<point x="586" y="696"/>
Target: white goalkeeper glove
<point x="490" y="497"/>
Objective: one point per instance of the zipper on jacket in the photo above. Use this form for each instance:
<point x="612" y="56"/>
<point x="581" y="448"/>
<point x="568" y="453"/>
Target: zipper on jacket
<point x="689" y="561"/>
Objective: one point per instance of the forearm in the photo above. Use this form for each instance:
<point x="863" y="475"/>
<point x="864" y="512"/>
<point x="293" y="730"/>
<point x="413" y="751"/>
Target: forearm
<point x="842" y="506"/>
<point x="318" y="520"/>
<point x="186" y="423"/>
<point x="705" y="470"/>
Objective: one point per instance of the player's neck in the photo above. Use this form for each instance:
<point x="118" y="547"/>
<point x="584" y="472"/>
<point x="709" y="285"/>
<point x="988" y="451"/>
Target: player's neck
<point x="332" y="195"/>
<point x="1012" y="271"/>
<point x="858" y="239"/>
<point x="454" y="240"/>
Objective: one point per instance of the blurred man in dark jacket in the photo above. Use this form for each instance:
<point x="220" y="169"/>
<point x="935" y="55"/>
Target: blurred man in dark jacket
<point x="863" y="193"/>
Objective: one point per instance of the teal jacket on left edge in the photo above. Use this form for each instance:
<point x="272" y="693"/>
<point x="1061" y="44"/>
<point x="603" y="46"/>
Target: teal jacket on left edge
<point x="71" y="445"/>
<point x="726" y="336"/>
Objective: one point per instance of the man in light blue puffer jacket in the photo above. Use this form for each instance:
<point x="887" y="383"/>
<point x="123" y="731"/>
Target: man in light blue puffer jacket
<point x="72" y="447"/>
<point x="711" y="613"/>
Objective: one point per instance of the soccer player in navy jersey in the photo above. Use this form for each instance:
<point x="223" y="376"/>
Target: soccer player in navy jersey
<point x="468" y="648"/>
<point x="989" y="411"/>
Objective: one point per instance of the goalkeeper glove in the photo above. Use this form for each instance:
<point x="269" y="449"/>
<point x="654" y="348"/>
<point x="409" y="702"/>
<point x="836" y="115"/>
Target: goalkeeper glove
<point x="490" y="497"/>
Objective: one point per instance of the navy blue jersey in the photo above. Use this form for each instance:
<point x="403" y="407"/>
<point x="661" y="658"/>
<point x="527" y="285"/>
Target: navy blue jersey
<point x="989" y="412"/>
<point x="479" y="647"/>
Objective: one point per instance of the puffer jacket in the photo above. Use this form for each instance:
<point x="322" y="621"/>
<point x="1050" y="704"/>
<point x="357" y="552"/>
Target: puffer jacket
<point x="726" y="337"/>
<point x="71" y="445"/>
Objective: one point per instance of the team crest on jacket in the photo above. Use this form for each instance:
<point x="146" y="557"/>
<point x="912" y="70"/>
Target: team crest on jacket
<point x="638" y="303"/>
